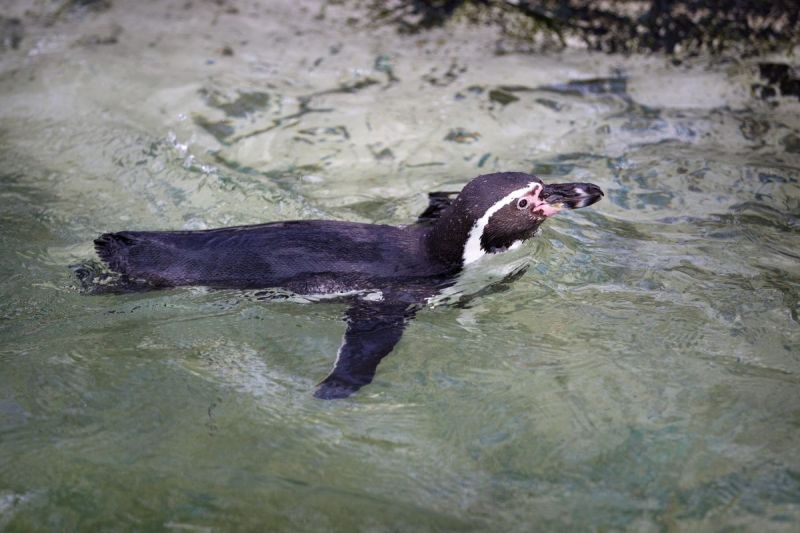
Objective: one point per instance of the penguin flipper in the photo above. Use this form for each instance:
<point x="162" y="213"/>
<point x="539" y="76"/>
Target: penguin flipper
<point x="373" y="329"/>
<point x="437" y="202"/>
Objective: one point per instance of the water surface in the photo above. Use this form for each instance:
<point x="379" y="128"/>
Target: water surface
<point x="643" y="374"/>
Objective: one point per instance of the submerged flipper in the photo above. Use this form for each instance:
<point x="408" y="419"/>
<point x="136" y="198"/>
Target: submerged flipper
<point x="437" y="202"/>
<point x="373" y="328"/>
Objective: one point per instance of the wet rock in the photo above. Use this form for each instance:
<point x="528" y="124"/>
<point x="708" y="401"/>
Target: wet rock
<point x="11" y="33"/>
<point x="383" y="64"/>
<point x="517" y="88"/>
<point x="551" y="104"/>
<point x="617" y="86"/>
<point x="220" y="130"/>
<point x="781" y="79"/>
<point x="616" y="26"/>
<point x="79" y="8"/>
<point x="107" y="37"/>
<point x="243" y="105"/>
<point x="94" y="5"/>
<point x="449" y="76"/>
<point x="502" y="97"/>
<point x="462" y="136"/>
<point x="764" y="92"/>
<point x="791" y="143"/>
<point x="381" y="154"/>
<point x="330" y="133"/>
<point x="753" y="129"/>
<point x="351" y="87"/>
<point x="774" y="72"/>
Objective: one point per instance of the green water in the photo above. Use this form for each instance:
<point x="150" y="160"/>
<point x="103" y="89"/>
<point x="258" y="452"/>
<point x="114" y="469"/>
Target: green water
<point x="642" y="375"/>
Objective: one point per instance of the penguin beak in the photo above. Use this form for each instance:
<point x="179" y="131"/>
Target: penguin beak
<point x="571" y="195"/>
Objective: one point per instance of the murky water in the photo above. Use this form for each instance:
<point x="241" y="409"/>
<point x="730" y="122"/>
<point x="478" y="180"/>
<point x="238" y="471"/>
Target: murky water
<point x="643" y="374"/>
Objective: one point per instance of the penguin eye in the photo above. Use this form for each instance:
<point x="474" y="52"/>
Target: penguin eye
<point x="522" y="203"/>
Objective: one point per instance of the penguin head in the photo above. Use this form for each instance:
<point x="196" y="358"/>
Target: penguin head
<point x="499" y="211"/>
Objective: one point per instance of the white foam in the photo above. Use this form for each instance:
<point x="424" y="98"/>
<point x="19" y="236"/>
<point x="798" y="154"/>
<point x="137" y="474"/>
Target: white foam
<point x="515" y="245"/>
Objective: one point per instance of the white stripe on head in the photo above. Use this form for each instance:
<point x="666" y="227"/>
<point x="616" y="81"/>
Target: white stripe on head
<point x="472" y="249"/>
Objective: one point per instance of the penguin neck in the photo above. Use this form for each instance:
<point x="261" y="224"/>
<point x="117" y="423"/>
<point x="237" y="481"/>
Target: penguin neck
<point x="446" y="238"/>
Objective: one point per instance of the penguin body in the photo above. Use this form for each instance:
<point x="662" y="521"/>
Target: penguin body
<point x="301" y="256"/>
<point x="405" y="264"/>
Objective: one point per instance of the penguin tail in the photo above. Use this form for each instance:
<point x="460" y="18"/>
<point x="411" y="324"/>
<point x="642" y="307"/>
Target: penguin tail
<point x="113" y="249"/>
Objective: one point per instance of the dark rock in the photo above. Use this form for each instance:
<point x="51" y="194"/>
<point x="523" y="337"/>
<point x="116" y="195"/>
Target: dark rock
<point x="753" y="129"/>
<point x="11" y="33"/>
<point x="773" y="72"/>
<point x="462" y="136"/>
<point x="763" y="91"/>
<point x="108" y="37"/>
<point x="791" y="143"/>
<point x="780" y="78"/>
<point x="502" y="97"/>
<point x="617" y="26"/>
<point x="220" y="130"/>
<point x="243" y="105"/>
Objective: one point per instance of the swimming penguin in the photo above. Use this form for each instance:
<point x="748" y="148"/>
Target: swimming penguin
<point x="388" y="271"/>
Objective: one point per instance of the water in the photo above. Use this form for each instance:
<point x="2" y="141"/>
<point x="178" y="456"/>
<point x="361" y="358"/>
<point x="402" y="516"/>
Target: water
<point x="643" y="374"/>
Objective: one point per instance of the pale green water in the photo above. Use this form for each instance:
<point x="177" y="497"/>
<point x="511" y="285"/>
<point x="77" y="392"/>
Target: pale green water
<point x="643" y="374"/>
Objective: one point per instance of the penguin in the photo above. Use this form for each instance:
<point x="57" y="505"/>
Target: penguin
<point x="386" y="273"/>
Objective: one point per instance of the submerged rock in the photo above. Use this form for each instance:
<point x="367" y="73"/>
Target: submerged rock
<point x="11" y="33"/>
